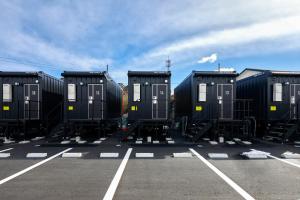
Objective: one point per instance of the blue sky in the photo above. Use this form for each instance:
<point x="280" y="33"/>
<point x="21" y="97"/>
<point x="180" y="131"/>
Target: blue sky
<point x="53" y="36"/>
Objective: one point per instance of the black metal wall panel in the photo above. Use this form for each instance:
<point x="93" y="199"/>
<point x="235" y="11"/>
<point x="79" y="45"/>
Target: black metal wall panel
<point x="154" y="103"/>
<point x="98" y="97"/>
<point x="34" y="95"/>
<point x="260" y="89"/>
<point x="220" y="95"/>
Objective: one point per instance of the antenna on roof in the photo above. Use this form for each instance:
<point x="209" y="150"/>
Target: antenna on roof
<point x="107" y="68"/>
<point x="219" y="67"/>
<point x="168" y="63"/>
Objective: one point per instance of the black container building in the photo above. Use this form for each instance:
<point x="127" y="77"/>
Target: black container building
<point x="276" y="96"/>
<point x="206" y="105"/>
<point x="31" y="103"/>
<point x="149" y="102"/>
<point x="92" y="103"/>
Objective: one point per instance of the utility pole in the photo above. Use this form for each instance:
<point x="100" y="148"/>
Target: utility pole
<point x="168" y="64"/>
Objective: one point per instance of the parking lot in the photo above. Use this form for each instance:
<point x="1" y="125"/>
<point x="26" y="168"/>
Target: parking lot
<point x="146" y="171"/>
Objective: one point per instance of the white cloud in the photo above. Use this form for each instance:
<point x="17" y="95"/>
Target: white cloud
<point x="245" y="34"/>
<point x="79" y="35"/>
<point x="21" y="40"/>
<point x="243" y="37"/>
<point x="211" y="59"/>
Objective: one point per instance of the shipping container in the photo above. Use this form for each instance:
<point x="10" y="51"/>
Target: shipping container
<point x="276" y="96"/>
<point x="206" y="105"/>
<point x="149" y="102"/>
<point x="31" y="103"/>
<point x="92" y="103"/>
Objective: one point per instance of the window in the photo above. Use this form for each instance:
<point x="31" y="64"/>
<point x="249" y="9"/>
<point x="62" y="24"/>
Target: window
<point x="277" y="92"/>
<point x="202" y="92"/>
<point x="136" y="92"/>
<point x="71" y="92"/>
<point x="7" y="93"/>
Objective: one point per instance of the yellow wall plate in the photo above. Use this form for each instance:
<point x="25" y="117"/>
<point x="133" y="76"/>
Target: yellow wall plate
<point x="198" y="108"/>
<point x="70" y="107"/>
<point x="134" y="108"/>
<point x="273" y="108"/>
<point x="6" y="108"/>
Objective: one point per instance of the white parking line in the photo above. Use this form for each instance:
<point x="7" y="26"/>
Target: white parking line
<point x="4" y="155"/>
<point x="144" y="155"/>
<point x="72" y="155"/>
<point x="230" y="182"/>
<point x="109" y="155"/>
<point x="4" y="150"/>
<point x="282" y="160"/>
<point x="115" y="182"/>
<point x="182" y="155"/>
<point x="32" y="167"/>
<point x="36" y="155"/>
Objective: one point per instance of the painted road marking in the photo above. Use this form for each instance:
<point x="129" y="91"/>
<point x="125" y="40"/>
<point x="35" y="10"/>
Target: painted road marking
<point x="254" y="154"/>
<point x="182" y="155"/>
<point x="230" y="142"/>
<point x="66" y="142"/>
<point x="213" y="142"/>
<point x="36" y="155"/>
<point x="32" y="167"/>
<point x="115" y="182"/>
<point x="4" y="155"/>
<point x="72" y="155"/>
<point x="290" y="155"/>
<point x="24" y="142"/>
<point x="109" y="155"/>
<point x="37" y="138"/>
<point x="237" y="139"/>
<point x="246" y="142"/>
<point x="144" y="155"/>
<point x="283" y="160"/>
<point x="4" y="150"/>
<point x="217" y="155"/>
<point x="230" y="182"/>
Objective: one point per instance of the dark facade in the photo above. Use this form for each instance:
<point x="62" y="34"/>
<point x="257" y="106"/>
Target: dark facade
<point x="91" y="97"/>
<point x="29" y="97"/>
<point x="149" y="97"/>
<point x="205" y="95"/>
<point x="275" y="94"/>
<point x="206" y="105"/>
<point x="261" y="87"/>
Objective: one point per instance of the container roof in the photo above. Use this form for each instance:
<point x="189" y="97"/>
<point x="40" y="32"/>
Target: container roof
<point x="16" y="73"/>
<point x="149" y="73"/>
<point x="249" y="72"/>
<point x="84" y="73"/>
<point x="215" y="73"/>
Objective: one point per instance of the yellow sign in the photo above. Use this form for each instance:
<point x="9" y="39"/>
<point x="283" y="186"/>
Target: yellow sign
<point x="134" y="108"/>
<point x="70" y="108"/>
<point x="198" y="108"/>
<point x="6" y="108"/>
<point x="273" y="108"/>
